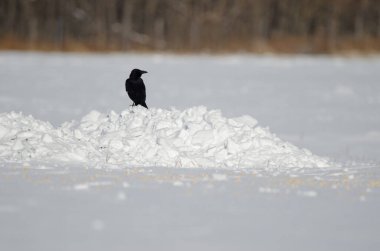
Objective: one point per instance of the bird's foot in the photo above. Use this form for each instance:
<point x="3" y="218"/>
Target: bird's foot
<point x="132" y="105"/>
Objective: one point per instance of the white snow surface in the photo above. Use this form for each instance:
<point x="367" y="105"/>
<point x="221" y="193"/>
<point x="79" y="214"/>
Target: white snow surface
<point x="329" y="105"/>
<point x="60" y="191"/>
<point x="195" y="137"/>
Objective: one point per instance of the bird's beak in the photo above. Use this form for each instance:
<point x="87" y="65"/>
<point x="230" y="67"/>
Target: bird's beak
<point x="142" y="72"/>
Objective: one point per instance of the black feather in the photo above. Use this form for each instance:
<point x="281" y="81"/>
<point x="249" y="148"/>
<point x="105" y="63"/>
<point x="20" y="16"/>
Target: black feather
<point x="135" y="88"/>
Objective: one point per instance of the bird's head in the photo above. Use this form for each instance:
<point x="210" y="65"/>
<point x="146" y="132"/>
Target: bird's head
<point x="136" y="73"/>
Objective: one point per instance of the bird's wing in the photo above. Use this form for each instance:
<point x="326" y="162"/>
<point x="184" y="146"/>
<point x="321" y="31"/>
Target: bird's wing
<point x="127" y="85"/>
<point x="142" y="89"/>
<point x="136" y="90"/>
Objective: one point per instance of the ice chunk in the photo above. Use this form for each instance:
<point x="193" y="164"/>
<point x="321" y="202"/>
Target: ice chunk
<point x="3" y="131"/>
<point x="243" y="120"/>
<point x="93" y="116"/>
<point x="203" y="138"/>
<point x="47" y="138"/>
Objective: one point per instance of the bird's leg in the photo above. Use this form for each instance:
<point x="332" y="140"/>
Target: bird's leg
<point x="132" y="106"/>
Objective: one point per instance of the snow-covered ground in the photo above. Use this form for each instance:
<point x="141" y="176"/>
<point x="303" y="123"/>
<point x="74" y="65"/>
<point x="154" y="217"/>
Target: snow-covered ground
<point x="86" y="185"/>
<point x="328" y="105"/>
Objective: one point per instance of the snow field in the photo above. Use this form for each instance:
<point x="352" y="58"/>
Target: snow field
<point x="86" y="184"/>
<point x="329" y="105"/>
<point x="70" y="207"/>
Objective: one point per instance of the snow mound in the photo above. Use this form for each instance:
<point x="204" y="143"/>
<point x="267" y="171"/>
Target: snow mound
<point x="194" y="137"/>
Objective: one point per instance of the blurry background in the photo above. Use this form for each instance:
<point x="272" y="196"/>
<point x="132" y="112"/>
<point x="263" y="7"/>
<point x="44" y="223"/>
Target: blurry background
<point x="295" y="26"/>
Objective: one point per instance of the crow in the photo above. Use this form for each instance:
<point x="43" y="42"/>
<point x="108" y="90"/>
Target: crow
<point x="135" y="88"/>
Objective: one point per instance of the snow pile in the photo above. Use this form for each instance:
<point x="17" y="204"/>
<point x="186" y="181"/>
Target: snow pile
<point x="195" y="137"/>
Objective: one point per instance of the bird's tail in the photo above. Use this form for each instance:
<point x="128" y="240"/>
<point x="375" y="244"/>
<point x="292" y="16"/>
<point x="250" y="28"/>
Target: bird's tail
<point x="143" y="104"/>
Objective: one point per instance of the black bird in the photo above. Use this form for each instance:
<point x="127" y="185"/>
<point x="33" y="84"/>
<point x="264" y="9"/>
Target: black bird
<point x="135" y="88"/>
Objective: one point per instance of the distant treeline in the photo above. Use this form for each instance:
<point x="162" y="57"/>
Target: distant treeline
<point x="301" y="26"/>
